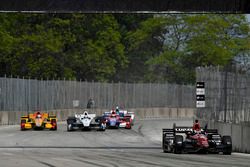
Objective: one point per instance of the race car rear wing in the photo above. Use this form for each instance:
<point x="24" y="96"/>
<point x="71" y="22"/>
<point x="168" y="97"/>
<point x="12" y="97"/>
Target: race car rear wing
<point x="190" y="129"/>
<point x="127" y="115"/>
<point x="132" y="114"/>
<point x="52" y="116"/>
<point x="107" y="113"/>
<point x="211" y="131"/>
<point x="168" y="133"/>
<point x="182" y="129"/>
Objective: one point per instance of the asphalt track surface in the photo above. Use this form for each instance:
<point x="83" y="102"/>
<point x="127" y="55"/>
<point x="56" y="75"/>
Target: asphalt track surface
<point x="140" y="146"/>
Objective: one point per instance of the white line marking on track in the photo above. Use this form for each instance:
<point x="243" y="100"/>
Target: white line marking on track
<point x="241" y="154"/>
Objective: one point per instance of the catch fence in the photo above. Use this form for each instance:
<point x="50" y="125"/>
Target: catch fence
<point x="227" y="95"/>
<point x="30" y="94"/>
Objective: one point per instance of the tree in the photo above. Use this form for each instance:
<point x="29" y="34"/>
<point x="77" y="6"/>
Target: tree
<point x="119" y="47"/>
<point x="61" y="45"/>
<point x="199" y="40"/>
<point x="143" y="41"/>
<point x="98" y="50"/>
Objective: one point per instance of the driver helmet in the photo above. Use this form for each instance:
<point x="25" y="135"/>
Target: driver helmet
<point x="38" y="115"/>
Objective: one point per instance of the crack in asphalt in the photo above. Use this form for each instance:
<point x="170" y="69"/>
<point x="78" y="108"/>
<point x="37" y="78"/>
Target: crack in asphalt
<point x="91" y="163"/>
<point x="112" y="164"/>
<point x="45" y="163"/>
<point x="135" y="160"/>
<point x="139" y="130"/>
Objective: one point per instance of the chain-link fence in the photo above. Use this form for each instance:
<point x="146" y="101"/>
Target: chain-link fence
<point x="29" y="94"/>
<point x="227" y="95"/>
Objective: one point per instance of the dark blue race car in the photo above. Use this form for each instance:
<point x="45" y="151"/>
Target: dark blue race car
<point x="113" y="121"/>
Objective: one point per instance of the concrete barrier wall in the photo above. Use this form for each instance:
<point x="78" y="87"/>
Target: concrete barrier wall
<point x="12" y="118"/>
<point x="240" y="134"/>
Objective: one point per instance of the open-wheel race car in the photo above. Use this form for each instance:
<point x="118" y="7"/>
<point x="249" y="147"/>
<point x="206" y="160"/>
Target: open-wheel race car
<point x="126" y="122"/>
<point x="185" y="139"/>
<point x="38" y="120"/>
<point x="86" y="121"/>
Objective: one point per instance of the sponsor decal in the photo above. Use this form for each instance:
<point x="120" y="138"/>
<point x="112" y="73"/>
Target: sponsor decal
<point x="183" y="129"/>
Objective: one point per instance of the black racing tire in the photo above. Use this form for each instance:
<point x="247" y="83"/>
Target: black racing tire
<point x="165" y="150"/>
<point x="22" y="122"/>
<point x="69" y="127"/>
<point x="177" y="150"/>
<point x="174" y="126"/>
<point x="163" y="144"/>
<point x="178" y="141"/>
<point x="54" y="129"/>
<point x="71" y="120"/>
<point x="227" y="142"/>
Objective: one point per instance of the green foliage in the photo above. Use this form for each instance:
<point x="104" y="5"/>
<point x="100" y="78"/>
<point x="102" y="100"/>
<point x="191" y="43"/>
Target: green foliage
<point x="59" y="45"/>
<point x="199" y="40"/>
<point x="119" y="47"/>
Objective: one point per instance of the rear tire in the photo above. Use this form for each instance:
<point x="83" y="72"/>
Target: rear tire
<point x="174" y="126"/>
<point x="227" y="142"/>
<point x="178" y="141"/>
<point x="55" y="128"/>
<point x="70" y="121"/>
<point x="163" y="144"/>
<point x="69" y="127"/>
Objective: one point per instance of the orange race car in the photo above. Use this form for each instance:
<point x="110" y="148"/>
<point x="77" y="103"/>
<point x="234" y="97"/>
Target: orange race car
<point x="39" y="120"/>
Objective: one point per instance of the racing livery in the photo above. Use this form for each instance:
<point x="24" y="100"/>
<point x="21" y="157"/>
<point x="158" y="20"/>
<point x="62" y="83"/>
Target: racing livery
<point x="119" y="118"/>
<point x="86" y="121"/>
<point x="38" y="120"/>
<point x="126" y="122"/>
<point x="185" y="139"/>
<point x="132" y="117"/>
<point x="113" y="120"/>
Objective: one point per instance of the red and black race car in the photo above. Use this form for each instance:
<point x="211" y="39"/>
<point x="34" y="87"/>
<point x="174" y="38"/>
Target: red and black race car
<point x="126" y="122"/>
<point x="184" y="139"/>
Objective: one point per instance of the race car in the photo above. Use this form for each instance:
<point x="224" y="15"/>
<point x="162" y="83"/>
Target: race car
<point x="38" y="120"/>
<point x="123" y="115"/>
<point x="132" y="116"/>
<point x="113" y="120"/>
<point x="184" y="139"/>
<point x="86" y="121"/>
<point x="126" y="122"/>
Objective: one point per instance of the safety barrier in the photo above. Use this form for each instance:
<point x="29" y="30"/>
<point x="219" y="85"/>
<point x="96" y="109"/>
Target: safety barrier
<point x="239" y="132"/>
<point x="13" y="117"/>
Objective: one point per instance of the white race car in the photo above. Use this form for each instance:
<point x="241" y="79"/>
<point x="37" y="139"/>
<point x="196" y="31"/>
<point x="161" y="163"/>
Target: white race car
<point x="85" y="121"/>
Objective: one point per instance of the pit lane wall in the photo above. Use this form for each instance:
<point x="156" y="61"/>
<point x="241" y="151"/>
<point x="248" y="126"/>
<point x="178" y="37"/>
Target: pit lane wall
<point x="13" y="118"/>
<point x="240" y="134"/>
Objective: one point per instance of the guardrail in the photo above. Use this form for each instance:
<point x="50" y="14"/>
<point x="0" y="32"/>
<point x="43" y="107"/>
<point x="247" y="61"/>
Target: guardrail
<point x="239" y="133"/>
<point x="12" y="118"/>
